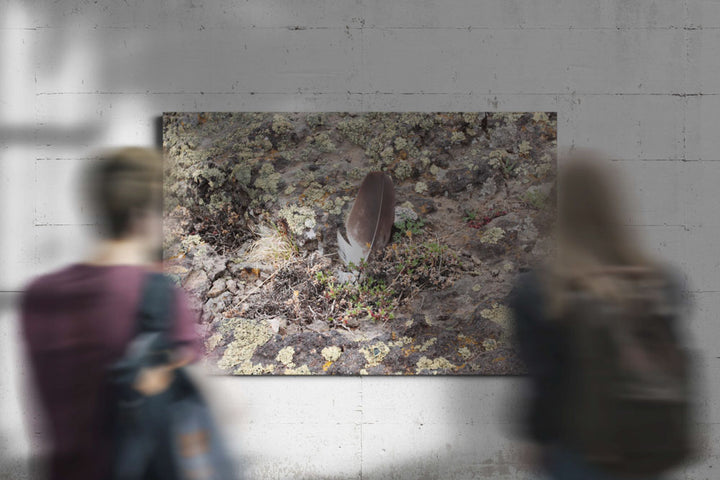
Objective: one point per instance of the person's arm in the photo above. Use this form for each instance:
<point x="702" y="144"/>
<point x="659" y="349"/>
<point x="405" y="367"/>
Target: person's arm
<point x="154" y="380"/>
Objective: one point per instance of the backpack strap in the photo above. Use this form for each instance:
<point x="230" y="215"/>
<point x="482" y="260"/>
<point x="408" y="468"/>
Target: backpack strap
<point x="156" y="303"/>
<point x="151" y="344"/>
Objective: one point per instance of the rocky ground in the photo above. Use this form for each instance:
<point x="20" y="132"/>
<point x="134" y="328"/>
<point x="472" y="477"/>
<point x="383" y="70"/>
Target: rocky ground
<point x="253" y="204"/>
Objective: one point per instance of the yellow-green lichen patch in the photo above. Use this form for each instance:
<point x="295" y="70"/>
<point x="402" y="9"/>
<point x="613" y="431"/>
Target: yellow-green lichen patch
<point x="248" y="368"/>
<point x="298" y="217"/>
<point x="421" y="187"/>
<point x="457" y="137"/>
<point x="285" y="356"/>
<point x="267" y="179"/>
<point x="322" y="142"/>
<point x="490" y="344"/>
<point x="331" y="354"/>
<point x="281" y="125"/>
<point x="213" y="341"/>
<point x="403" y="170"/>
<point x="301" y="370"/>
<point x="374" y="354"/>
<point x="428" y="344"/>
<point x="242" y="172"/>
<point x="464" y="353"/>
<point x="492" y="235"/>
<point x="248" y="336"/>
<point x="439" y="363"/>
<point x="499" y="314"/>
<point x="401" y="342"/>
<point x="190" y="242"/>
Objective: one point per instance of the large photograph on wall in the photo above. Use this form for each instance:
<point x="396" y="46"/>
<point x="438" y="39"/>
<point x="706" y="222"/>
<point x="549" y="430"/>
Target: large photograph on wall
<point x="357" y="243"/>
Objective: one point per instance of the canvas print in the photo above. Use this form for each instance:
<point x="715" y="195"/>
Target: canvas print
<point x="357" y="243"/>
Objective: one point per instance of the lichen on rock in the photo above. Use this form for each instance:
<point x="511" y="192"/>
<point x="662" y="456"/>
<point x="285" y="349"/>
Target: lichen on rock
<point x="248" y="335"/>
<point x="332" y="353"/>
<point x="439" y="363"/>
<point x="492" y="235"/>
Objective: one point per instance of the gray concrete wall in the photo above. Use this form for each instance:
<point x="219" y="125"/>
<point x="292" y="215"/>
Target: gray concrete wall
<point x="639" y="79"/>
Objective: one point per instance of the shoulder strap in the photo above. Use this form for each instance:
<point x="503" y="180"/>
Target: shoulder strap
<point x="156" y="304"/>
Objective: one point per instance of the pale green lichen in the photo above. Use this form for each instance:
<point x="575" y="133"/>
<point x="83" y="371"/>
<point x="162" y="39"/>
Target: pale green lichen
<point x="427" y="345"/>
<point x="191" y="242"/>
<point x="388" y="154"/>
<point x="267" y="179"/>
<point x="374" y="354"/>
<point x="322" y="142"/>
<point x="492" y="235"/>
<point x="242" y="172"/>
<point x="540" y="117"/>
<point x="497" y="158"/>
<point x="248" y="335"/>
<point x="440" y="363"/>
<point x="299" y="218"/>
<point x="315" y="120"/>
<point x="281" y="125"/>
<point x="403" y="170"/>
<point x="332" y="353"/>
<point x="301" y="370"/>
<point x="457" y="137"/>
<point x="421" y="187"/>
<point x="401" y="342"/>
<point x="490" y="344"/>
<point x="499" y="314"/>
<point x="400" y="143"/>
<point x="285" y="356"/>
<point x="464" y="353"/>
<point x="339" y="203"/>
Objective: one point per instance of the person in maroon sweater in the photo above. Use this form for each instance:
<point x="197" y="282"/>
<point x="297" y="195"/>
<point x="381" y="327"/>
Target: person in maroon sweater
<point x="79" y="320"/>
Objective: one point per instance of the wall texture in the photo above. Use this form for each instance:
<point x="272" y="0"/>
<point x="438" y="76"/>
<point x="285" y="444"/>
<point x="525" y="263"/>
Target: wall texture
<point x="639" y="79"/>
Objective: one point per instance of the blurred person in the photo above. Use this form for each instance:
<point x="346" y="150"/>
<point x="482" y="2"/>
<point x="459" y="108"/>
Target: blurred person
<point x="599" y="329"/>
<point x="77" y="322"/>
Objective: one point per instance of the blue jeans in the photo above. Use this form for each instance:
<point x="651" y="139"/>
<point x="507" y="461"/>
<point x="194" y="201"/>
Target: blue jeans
<point x="564" y="464"/>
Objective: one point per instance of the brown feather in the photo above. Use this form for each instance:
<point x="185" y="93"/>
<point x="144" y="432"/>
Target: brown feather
<point x="371" y="218"/>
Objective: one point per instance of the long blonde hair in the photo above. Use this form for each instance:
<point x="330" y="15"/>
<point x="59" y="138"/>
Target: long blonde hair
<point x="591" y="239"/>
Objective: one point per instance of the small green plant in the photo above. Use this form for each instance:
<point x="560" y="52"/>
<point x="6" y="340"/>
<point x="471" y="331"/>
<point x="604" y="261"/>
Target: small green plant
<point x="469" y="216"/>
<point x="507" y="166"/>
<point x="408" y="228"/>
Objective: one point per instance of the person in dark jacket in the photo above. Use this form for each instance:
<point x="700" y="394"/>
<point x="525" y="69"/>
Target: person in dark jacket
<point x="78" y="321"/>
<point x="589" y="236"/>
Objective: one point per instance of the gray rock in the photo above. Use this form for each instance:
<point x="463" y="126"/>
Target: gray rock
<point x="218" y="287"/>
<point x="197" y="283"/>
<point x="215" y="306"/>
<point x="213" y="266"/>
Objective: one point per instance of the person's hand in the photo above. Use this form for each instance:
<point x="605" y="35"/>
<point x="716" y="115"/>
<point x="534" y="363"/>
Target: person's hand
<point x="154" y="380"/>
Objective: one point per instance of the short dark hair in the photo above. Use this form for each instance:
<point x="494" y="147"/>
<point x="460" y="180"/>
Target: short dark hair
<point x="124" y="183"/>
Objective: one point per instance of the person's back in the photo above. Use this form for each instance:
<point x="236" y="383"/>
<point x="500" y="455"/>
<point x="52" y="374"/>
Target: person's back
<point x="78" y="321"/>
<point x="597" y="327"/>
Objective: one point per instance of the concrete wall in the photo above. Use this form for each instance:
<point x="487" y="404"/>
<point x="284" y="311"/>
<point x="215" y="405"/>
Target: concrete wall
<point x="639" y="79"/>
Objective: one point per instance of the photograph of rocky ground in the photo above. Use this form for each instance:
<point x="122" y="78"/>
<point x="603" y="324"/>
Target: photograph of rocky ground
<point x="259" y="205"/>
